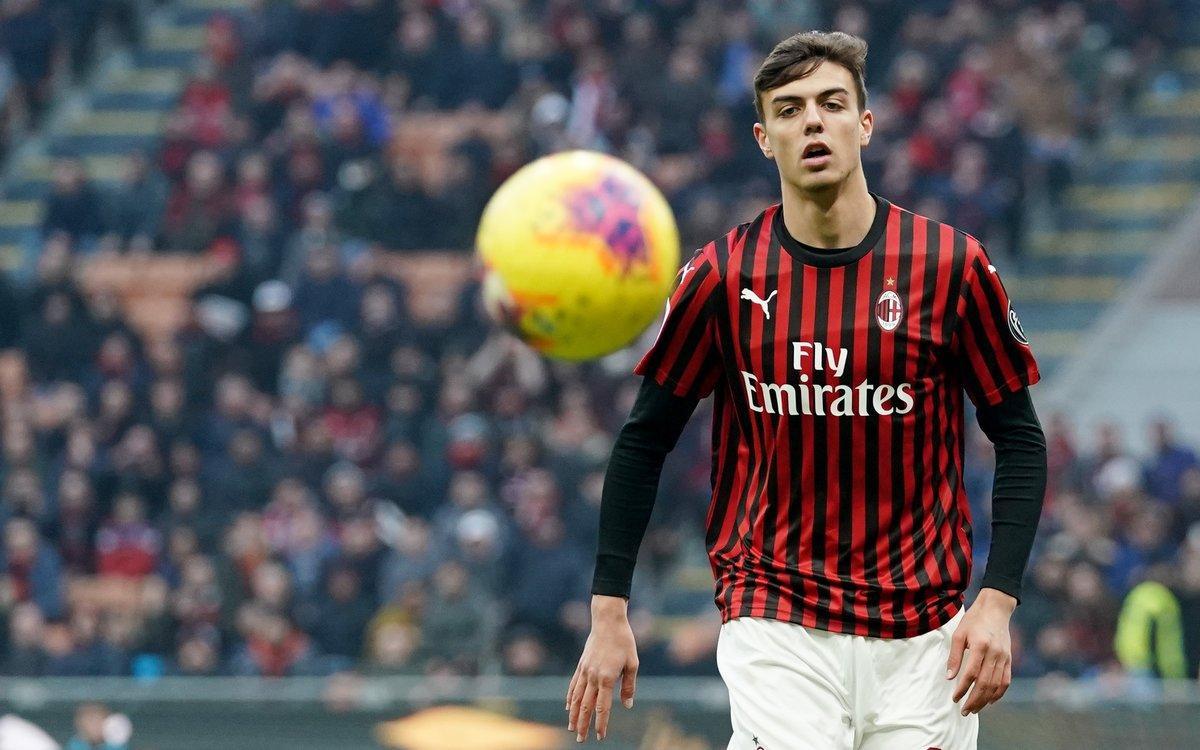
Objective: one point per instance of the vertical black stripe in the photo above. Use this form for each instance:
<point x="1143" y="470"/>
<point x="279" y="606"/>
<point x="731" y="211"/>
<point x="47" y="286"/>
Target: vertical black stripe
<point x="935" y="400"/>
<point x="820" y="457"/>
<point x="730" y="435"/>
<point x="744" y="336"/>
<point x="693" y="336"/>
<point x="800" y="458"/>
<point x="954" y="380"/>
<point x="872" y="497"/>
<point x="899" y="434"/>
<point x="845" y="457"/>
<point x="928" y="436"/>
<point x="931" y="406"/>
<point x="724" y="440"/>
<point x="945" y="473"/>
<point x="739" y="431"/>
<point x="770" y="344"/>
<point x="761" y="457"/>
<point x="920" y="434"/>
<point x="983" y="344"/>
<point x="955" y="443"/>
<point x="958" y="268"/>
<point x="997" y="311"/>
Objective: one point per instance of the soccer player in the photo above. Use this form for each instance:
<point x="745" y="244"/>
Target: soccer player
<point x="837" y="333"/>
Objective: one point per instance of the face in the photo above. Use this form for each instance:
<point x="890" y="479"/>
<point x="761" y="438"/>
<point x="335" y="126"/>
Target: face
<point x="823" y="107"/>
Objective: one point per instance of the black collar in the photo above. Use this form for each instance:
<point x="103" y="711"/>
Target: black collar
<point x="834" y="256"/>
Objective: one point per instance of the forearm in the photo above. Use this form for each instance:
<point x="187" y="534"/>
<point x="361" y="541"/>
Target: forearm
<point x="631" y="483"/>
<point x="1017" y="490"/>
<point x="630" y="486"/>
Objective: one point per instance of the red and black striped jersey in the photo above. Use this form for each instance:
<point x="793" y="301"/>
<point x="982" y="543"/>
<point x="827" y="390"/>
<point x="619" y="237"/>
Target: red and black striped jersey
<point x="838" y="379"/>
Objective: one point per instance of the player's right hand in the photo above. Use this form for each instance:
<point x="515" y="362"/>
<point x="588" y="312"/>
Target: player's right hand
<point x="609" y="654"/>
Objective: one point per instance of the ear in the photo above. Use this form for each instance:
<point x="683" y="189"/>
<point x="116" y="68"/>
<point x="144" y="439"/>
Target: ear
<point x="868" y="126"/>
<point x="764" y="142"/>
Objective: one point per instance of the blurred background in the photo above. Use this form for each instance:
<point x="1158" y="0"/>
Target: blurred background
<point x="270" y="479"/>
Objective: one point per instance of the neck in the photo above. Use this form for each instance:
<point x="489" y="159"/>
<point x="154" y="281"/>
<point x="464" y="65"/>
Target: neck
<point x="835" y="217"/>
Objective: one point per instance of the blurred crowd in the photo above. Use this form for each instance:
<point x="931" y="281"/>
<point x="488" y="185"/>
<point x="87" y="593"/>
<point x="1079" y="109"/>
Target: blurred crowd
<point x="307" y="114"/>
<point x="1114" y="528"/>
<point x="307" y="479"/>
<point x="46" y="45"/>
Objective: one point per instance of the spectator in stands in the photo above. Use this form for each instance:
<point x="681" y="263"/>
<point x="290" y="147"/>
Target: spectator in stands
<point x="1170" y="461"/>
<point x="94" y="729"/>
<point x="455" y="626"/>
<point x="31" y="568"/>
<point x="1150" y="635"/>
<point x="338" y="618"/>
<point x="73" y="206"/>
<point x="24" y="656"/>
<point x="273" y="646"/>
<point x="127" y="545"/>
<point x="199" y="655"/>
<point x="135" y="209"/>
<point x="1145" y="543"/>
<point x="200" y="211"/>
<point x="29" y="36"/>
<point x="547" y="576"/>
<point x="393" y="648"/>
<point x="76" y="525"/>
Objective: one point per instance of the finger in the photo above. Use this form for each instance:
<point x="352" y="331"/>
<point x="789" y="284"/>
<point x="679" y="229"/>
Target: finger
<point x="577" y="701"/>
<point x="957" y="644"/>
<point x="603" y="708"/>
<point x="985" y="687"/>
<point x="585" y="710"/>
<point x="1007" y="680"/>
<point x="970" y="671"/>
<point x="574" y="693"/>
<point x="571" y="689"/>
<point x="1002" y="679"/>
<point x="629" y="685"/>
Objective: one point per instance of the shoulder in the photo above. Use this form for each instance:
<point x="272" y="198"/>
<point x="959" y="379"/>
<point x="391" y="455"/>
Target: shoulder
<point x="962" y="244"/>
<point x="718" y="251"/>
<point x="959" y="251"/>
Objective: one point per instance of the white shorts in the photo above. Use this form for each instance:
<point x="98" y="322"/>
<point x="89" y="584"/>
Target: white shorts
<point x="798" y="688"/>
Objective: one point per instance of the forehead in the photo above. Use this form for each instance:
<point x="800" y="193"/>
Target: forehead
<point x="825" y="76"/>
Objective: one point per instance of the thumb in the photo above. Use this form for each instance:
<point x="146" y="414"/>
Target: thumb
<point x="628" y="686"/>
<point x="957" y="644"/>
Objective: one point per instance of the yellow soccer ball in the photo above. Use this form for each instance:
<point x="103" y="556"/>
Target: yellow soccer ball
<point x="579" y="251"/>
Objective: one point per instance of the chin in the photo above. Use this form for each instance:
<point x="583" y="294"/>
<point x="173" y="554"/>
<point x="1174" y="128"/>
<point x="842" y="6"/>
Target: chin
<point x="818" y="181"/>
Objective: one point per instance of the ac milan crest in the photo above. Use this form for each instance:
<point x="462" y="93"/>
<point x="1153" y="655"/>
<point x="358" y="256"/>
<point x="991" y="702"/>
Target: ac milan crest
<point x="889" y="310"/>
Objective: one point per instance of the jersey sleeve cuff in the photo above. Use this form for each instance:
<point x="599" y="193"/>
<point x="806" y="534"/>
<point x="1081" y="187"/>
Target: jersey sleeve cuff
<point x="610" y="587"/>
<point x="1002" y="583"/>
<point x="1021" y="380"/>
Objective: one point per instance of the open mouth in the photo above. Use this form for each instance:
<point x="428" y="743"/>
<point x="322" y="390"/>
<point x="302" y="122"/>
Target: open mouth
<point x="815" y="151"/>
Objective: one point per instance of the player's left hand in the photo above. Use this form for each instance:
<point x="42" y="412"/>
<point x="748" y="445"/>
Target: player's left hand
<point x="983" y="633"/>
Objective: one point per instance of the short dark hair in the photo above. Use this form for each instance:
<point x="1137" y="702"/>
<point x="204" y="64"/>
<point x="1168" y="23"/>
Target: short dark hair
<point x="800" y="54"/>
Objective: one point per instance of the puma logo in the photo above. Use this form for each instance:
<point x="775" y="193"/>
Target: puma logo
<point x="686" y="270"/>
<point x="750" y="295"/>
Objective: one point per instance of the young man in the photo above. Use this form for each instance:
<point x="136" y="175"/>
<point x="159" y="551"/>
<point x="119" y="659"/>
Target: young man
<point x="837" y="333"/>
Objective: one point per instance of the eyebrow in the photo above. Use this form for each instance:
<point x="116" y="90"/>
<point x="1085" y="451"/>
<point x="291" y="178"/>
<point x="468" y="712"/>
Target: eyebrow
<point x="793" y="98"/>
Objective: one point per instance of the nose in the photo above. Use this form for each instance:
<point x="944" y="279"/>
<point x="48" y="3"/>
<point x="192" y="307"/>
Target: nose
<point x="812" y="119"/>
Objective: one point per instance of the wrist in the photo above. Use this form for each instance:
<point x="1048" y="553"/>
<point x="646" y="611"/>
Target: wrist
<point x="990" y="597"/>
<point x="607" y="608"/>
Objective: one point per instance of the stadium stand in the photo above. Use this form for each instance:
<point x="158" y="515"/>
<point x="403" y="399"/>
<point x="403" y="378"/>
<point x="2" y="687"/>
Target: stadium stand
<point x="240" y="330"/>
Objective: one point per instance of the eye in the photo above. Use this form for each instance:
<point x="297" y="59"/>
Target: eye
<point x="786" y="111"/>
<point x="833" y="105"/>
